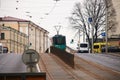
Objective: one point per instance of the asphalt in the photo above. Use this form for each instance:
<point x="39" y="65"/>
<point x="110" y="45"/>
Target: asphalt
<point x="107" y="60"/>
<point x="11" y="63"/>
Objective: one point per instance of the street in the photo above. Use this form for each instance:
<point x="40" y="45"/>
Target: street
<point x="107" y="60"/>
<point x="11" y="63"/>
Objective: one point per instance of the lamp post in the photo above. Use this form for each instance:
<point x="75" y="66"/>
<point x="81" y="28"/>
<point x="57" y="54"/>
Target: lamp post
<point x="0" y="3"/>
<point x="56" y="0"/>
<point x="106" y="20"/>
<point x="79" y="37"/>
<point x="90" y="19"/>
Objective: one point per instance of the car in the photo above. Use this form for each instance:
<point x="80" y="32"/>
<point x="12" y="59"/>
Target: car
<point x="83" y="48"/>
<point x="5" y="49"/>
<point x="111" y="49"/>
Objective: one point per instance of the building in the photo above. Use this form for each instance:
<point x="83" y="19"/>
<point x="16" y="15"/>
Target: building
<point x="37" y="36"/>
<point x="114" y="34"/>
<point x="116" y="5"/>
<point x="13" y="39"/>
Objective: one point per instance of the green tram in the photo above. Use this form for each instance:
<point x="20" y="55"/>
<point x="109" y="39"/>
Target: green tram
<point x="59" y="41"/>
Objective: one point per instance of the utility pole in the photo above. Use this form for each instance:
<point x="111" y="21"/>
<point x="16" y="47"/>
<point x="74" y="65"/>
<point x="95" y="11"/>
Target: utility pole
<point x="84" y="38"/>
<point x="90" y="19"/>
<point x="0" y="3"/>
<point x="106" y="31"/>
<point x="79" y="37"/>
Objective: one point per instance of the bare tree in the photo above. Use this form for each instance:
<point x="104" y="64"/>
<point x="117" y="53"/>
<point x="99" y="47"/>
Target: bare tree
<point x="112" y="23"/>
<point x="95" y="9"/>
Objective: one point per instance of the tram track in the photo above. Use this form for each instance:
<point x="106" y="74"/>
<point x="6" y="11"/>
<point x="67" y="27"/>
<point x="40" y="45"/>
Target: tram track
<point x="84" y="70"/>
<point x="44" y="68"/>
<point x="94" y="70"/>
<point x="115" y="54"/>
<point x="65" y="67"/>
<point x="98" y="71"/>
<point x="76" y="73"/>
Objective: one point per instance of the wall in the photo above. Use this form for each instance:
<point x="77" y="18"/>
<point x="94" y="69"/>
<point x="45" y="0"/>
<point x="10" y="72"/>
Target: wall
<point x="35" y="34"/>
<point x="14" y="40"/>
<point x="116" y="5"/>
<point x="10" y="24"/>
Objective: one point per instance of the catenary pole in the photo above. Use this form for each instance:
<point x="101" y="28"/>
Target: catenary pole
<point x="106" y="31"/>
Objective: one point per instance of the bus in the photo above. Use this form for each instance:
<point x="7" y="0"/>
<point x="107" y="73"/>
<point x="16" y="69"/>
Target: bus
<point x="97" y="47"/>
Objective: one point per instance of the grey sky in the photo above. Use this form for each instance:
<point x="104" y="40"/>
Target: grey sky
<point x="38" y="9"/>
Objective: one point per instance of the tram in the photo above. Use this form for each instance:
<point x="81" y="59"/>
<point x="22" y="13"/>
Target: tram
<point x="59" y="41"/>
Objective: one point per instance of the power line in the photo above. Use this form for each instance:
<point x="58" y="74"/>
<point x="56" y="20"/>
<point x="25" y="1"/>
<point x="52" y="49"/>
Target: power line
<point x="53" y="7"/>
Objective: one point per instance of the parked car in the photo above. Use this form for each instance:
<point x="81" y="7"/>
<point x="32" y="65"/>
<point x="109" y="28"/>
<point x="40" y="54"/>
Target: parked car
<point x="5" y="49"/>
<point x="111" y="49"/>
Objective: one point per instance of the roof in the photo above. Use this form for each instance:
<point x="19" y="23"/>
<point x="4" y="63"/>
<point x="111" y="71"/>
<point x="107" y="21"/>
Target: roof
<point x="9" y="18"/>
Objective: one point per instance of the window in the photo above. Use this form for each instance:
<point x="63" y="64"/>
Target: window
<point x="83" y="45"/>
<point x="2" y="36"/>
<point x="96" y="46"/>
<point x="59" y="40"/>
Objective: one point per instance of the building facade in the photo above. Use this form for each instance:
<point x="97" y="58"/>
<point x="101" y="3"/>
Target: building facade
<point x="13" y="39"/>
<point x="115" y="33"/>
<point x="37" y="36"/>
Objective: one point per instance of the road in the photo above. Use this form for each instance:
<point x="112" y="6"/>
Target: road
<point x="11" y="63"/>
<point x="107" y="60"/>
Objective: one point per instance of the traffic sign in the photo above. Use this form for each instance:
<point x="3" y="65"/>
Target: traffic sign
<point x="90" y="19"/>
<point x="103" y="34"/>
<point x="30" y="57"/>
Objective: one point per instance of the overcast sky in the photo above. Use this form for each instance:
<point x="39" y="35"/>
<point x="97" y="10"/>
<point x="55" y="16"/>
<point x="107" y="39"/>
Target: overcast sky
<point x="45" y="13"/>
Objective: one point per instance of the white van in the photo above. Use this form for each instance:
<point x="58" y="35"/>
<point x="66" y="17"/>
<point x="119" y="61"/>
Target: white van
<point x="83" y="47"/>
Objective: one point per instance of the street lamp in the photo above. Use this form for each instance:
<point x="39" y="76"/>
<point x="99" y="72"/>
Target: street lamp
<point x="17" y="3"/>
<point x="106" y="20"/>
<point x="56" y="0"/>
<point x="90" y="19"/>
<point x="29" y="16"/>
<point x="0" y="3"/>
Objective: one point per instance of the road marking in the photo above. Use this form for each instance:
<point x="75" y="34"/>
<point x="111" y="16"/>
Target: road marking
<point x="38" y="67"/>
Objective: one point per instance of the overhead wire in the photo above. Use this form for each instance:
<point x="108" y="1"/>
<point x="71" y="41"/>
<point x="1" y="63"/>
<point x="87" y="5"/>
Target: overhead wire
<point x="52" y="8"/>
